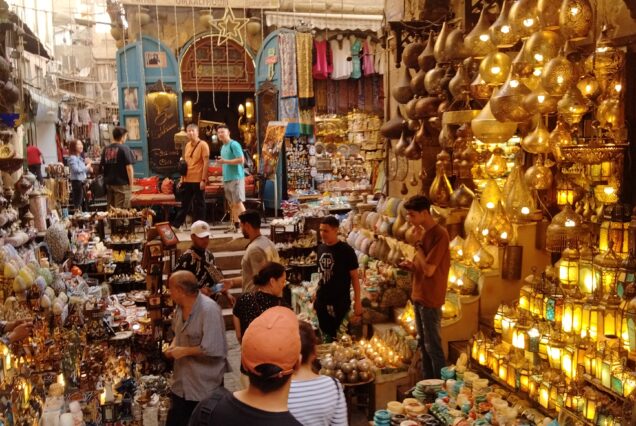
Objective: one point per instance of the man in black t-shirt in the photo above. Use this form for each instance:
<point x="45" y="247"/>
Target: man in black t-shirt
<point x="117" y="165"/>
<point x="270" y="353"/>
<point x="338" y="268"/>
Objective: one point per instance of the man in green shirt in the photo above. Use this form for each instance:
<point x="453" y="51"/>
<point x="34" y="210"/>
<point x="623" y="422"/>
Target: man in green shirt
<point x="233" y="174"/>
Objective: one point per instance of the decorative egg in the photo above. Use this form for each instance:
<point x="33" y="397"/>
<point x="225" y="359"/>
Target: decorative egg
<point x="58" y="307"/>
<point x="45" y="301"/>
<point x="40" y="282"/>
<point x="63" y="297"/>
<point x="19" y="285"/>
<point x="10" y="271"/>
<point x="11" y="303"/>
<point x="50" y="292"/>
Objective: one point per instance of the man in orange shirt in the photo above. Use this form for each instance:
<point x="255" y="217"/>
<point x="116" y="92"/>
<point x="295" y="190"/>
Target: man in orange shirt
<point x="197" y="156"/>
<point x="429" y="270"/>
<point x="35" y="160"/>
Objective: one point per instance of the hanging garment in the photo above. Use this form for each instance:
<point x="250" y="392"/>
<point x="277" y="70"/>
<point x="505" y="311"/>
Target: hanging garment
<point x="287" y="52"/>
<point x="290" y="114"/>
<point x="304" y="47"/>
<point x="380" y="59"/>
<point x="356" y="68"/>
<point x="322" y="61"/>
<point x="341" y="51"/>
<point x="368" y="58"/>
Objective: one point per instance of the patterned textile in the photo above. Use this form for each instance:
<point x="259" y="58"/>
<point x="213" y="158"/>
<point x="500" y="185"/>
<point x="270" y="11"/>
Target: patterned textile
<point x="368" y="58"/>
<point x="322" y="61"/>
<point x="287" y="51"/>
<point x="290" y="114"/>
<point x="304" y="48"/>
<point x="356" y="69"/>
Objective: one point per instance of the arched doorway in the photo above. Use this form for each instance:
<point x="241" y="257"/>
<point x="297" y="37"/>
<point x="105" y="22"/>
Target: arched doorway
<point x="216" y="79"/>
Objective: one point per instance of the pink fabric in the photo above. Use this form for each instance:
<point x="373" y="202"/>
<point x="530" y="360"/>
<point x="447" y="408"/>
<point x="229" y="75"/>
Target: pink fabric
<point x="367" y="59"/>
<point x="322" y="65"/>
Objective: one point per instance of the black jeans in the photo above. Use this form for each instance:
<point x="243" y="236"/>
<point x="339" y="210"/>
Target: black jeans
<point x="429" y="322"/>
<point x="193" y="197"/>
<point x="77" y="193"/>
<point x="330" y="315"/>
<point x="180" y="411"/>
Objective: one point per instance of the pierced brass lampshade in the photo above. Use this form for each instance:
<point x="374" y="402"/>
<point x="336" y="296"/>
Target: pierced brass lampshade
<point x="549" y="14"/>
<point x="522" y="63"/>
<point x="536" y="142"/>
<point x="559" y="137"/>
<point x="606" y="58"/>
<point x="518" y="199"/>
<point x="558" y="76"/>
<point x="575" y="19"/>
<point x="589" y="87"/>
<point x="507" y="104"/>
<point x="479" y="89"/>
<point x="501" y="31"/>
<point x="565" y="230"/>
<point x="488" y="129"/>
<point x="524" y="18"/>
<point x="538" y="176"/>
<point x="497" y="165"/>
<point x="541" y="101"/>
<point x="610" y="114"/>
<point x="572" y="106"/>
<point x="542" y="46"/>
<point x="494" y="68"/>
<point x="478" y="42"/>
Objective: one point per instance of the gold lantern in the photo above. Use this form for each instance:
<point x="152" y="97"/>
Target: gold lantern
<point x="610" y="363"/>
<point x="520" y="334"/>
<point x="478" y="342"/>
<point x="524" y="18"/>
<point x="589" y="87"/>
<point x="456" y="248"/>
<point x="542" y="46"/>
<point x="501" y="31"/>
<point x="478" y="42"/>
<point x="575" y="19"/>
<point x="471" y="246"/>
<point x="534" y="339"/>
<point x="537" y="141"/>
<point x="572" y="106"/>
<point x="507" y="103"/>
<point x="618" y="233"/>
<point x="548" y="14"/>
<point x="586" y="271"/>
<point x="612" y="316"/>
<point x="497" y="165"/>
<point x="606" y="59"/>
<point x="590" y="407"/>
<point x="525" y="294"/>
<point x="555" y="353"/>
<point x="629" y="383"/>
<point x="501" y="310"/>
<point x="487" y="129"/>
<point x="541" y="101"/>
<point x="483" y="259"/>
<point x="544" y="393"/>
<point x="629" y="326"/>
<point x="572" y="321"/>
<point x="568" y="268"/>
<point x="491" y="195"/>
<point x="494" y="68"/>
<point x="558" y="75"/>
<point x="606" y="272"/>
<point x="560" y="137"/>
<point x="523" y="375"/>
<point x="591" y="319"/>
<point x="569" y="363"/>
<point x="564" y="230"/>
<point x="439" y="49"/>
<point x="508" y="323"/>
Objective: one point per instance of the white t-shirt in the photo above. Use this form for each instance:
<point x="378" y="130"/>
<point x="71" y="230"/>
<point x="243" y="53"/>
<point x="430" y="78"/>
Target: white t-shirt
<point x="342" y="67"/>
<point x="318" y="402"/>
<point x="260" y="251"/>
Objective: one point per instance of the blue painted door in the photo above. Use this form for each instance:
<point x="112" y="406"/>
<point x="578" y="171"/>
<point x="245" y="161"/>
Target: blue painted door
<point x="139" y="65"/>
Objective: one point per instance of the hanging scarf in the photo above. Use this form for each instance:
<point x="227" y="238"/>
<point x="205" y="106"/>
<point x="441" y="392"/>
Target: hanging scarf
<point x="304" y="48"/>
<point x="287" y="52"/>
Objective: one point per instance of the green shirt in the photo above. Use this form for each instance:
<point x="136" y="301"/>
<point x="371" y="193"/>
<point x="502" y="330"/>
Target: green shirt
<point x="230" y="151"/>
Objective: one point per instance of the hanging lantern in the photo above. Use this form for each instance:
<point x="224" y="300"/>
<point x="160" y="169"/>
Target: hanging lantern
<point x="455" y="45"/>
<point x="474" y="217"/>
<point x="478" y="42"/>
<point x="501" y="31"/>
<point x="589" y="87"/>
<point x="479" y="89"/>
<point x="606" y="59"/>
<point x="564" y="229"/>
<point x="548" y="14"/>
<point x="555" y="353"/>
<point x="568" y="267"/>
<point x="590" y="319"/>
<point x="618" y="233"/>
<point x="606" y="272"/>
<point x="508" y="323"/>
<point x="522" y="63"/>
<point x="572" y="321"/>
<point x="542" y="46"/>
<point x="537" y="141"/>
<point x="441" y="189"/>
<point x="494" y="68"/>
<point x="456" y="248"/>
<point x="626" y="282"/>
<point x="471" y="246"/>
<point x="590" y="407"/>
<point x="439" y="49"/>
<point x="569" y="362"/>
<point x="491" y="195"/>
<point x="553" y="307"/>
<point x="507" y="104"/>
<point x="544" y="393"/>
<point x="612" y="316"/>
<point x="520" y="335"/>
<point x="483" y="259"/>
<point x="603" y="235"/>
<point x="518" y="199"/>
<point x="499" y="318"/>
<point x="534" y="339"/>
<point x="524" y="19"/>
<point x="538" y="176"/>
<point x="541" y="101"/>
<point x="572" y="106"/>
<point x="586" y="271"/>
<point x="558" y="75"/>
<point x="497" y="165"/>
<point x="565" y="192"/>
<point x="559" y="137"/>
<point x="575" y="19"/>
<point x="488" y="129"/>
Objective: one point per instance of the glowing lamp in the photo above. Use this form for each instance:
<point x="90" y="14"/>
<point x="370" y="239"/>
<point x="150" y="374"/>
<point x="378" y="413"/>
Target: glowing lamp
<point x="568" y="268"/>
<point x="508" y="323"/>
<point x="629" y="383"/>
<point x="629" y="326"/>
<point x="544" y="393"/>
<point x="555" y="353"/>
<point x="524" y="297"/>
<point x="498" y="318"/>
<point x="534" y="339"/>
<point x="606" y="266"/>
<point x="590" y="407"/>
<point x="572" y="321"/>
<point x="612" y="316"/>
<point x="586" y="272"/>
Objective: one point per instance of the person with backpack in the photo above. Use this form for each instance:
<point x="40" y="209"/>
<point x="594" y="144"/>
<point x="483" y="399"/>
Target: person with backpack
<point x="270" y="353"/>
<point x="232" y="160"/>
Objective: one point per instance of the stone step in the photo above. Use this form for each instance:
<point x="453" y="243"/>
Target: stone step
<point x="228" y="260"/>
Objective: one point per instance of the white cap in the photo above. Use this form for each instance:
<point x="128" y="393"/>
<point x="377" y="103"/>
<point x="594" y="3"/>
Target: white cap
<point x="200" y="228"/>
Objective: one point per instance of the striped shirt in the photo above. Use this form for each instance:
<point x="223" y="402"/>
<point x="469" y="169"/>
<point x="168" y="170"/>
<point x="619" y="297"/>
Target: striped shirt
<point x="318" y="402"/>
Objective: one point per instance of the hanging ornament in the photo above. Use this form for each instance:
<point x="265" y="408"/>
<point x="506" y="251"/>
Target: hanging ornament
<point x="549" y="14"/>
<point x="479" y="89"/>
<point x="589" y="87"/>
<point x="542" y="46"/>
<point x="439" y="49"/>
<point x="575" y="19"/>
<point x="606" y="59"/>
<point x="501" y="31"/>
<point x="478" y="42"/>
<point x="488" y="129"/>
<point x="538" y="176"/>
<point x="536" y="142"/>
<point x="473" y="217"/>
<point x="518" y="199"/>
<point x="522" y="63"/>
<point x="426" y="60"/>
<point x="491" y="195"/>
<point x="610" y="114"/>
<point x="230" y="27"/>
<point x="459" y="86"/>
<point x="462" y="197"/>
<point x="455" y="45"/>
<point x="539" y="100"/>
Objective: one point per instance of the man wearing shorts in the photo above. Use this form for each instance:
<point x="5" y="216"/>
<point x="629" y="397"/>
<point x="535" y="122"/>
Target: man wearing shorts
<point x="233" y="175"/>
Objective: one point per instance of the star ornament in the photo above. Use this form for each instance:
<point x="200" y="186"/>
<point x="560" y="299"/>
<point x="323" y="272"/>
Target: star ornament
<point x="230" y="27"/>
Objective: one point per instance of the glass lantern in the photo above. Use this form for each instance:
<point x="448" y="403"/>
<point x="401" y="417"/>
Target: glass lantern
<point x="498" y="318"/>
<point x="629" y="327"/>
<point x="629" y="383"/>
<point x="572" y="321"/>
<point x="534" y="339"/>
<point x="591" y="318"/>
<point x="523" y="379"/>
<point x="520" y="335"/>
<point x="569" y="362"/>
<point x="590" y="407"/>
<point x="565" y="230"/>
<point x="525" y="295"/>
<point x="568" y="267"/>
<point x="603" y="235"/>
<point x="555" y="353"/>
<point x="544" y="393"/>
<point x="626" y="281"/>
<point x="586" y="271"/>
<point x="612" y="316"/>
<point x="478" y="342"/>
<point x="606" y="272"/>
<point x="508" y="323"/>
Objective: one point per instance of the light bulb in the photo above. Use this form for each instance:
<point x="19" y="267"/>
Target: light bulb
<point x="505" y="29"/>
<point x="538" y="57"/>
<point x="514" y="83"/>
<point x="609" y="190"/>
<point x="559" y="79"/>
<point x="525" y="210"/>
<point x="570" y="223"/>
<point x="485" y="232"/>
<point x="495" y="70"/>
<point x="484" y="37"/>
<point x="541" y="99"/>
<point x="618" y="87"/>
<point x="537" y="72"/>
<point x="504" y="235"/>
<point x="476" y="259"/>
<point x="528" y="22"/>
<point x="490" y="205"/>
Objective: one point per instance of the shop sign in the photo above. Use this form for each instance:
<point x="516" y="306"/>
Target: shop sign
<point x="252" y="4"/>
<point x="162" y="117"/>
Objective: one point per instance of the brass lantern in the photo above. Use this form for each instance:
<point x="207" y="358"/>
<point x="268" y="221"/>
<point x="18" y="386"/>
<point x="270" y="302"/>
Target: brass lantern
<point x="488" y="129"/>
<point x="558" y="75"/>
<point x="606" y="59"/>
<point x="568" y="267"/>
<point x="507" y="104"/>
<point x="575" y="19"/>
<point x="606" y="272"/>
<point x="591" y="319"/>
<point x="586" y="271"/>
<point x="524" y="18"/>
<point x="478" y="42"/>
<point x="572" y="320"/>
<point x="572" y="106"/>
<point x="612" y="316"/>
<point x="501" y="30"/>
<point x="626" y="282"/>
<point x="548" y="14"/>
<point x="494" y="68"/>
<point x="542" y="46"/>
<point x="564" y="230"/>
<point x="555" y="352"/>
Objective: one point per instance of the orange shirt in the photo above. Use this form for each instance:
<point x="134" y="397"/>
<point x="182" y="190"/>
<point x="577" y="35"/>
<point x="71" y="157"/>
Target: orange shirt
<point x="431" y="291"/>
<point x="194" y="155"/>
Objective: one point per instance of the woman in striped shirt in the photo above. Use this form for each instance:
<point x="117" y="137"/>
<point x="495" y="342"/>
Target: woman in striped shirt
<point x="315" y="400"/>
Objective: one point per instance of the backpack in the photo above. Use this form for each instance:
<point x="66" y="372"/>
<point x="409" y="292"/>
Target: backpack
<point x="202" y="414"/>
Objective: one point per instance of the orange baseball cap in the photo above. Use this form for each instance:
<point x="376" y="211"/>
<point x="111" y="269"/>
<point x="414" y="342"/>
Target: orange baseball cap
<point x="272" y="338"/>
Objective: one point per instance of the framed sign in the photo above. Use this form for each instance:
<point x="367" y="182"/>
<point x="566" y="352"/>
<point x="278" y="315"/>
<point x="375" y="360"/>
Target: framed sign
<point x="271" y="146"/>
<point x="131" y="100"/>
<point x="155" y="59"/>
<point x="132" y="125"/>
<point x="167" y="234"/>
<point x="162" y="118"/>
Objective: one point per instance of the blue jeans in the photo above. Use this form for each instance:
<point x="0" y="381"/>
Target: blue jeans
<point x="428" y="322"/>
